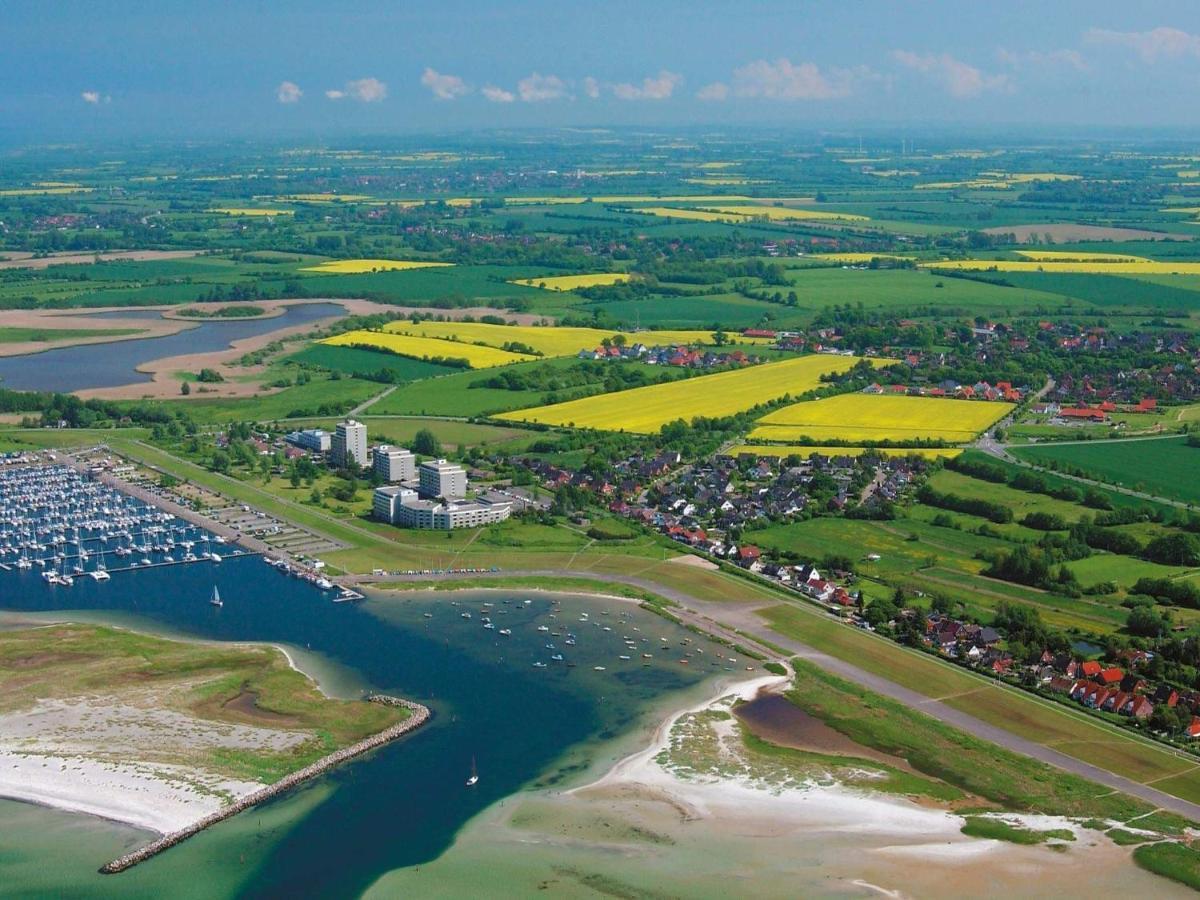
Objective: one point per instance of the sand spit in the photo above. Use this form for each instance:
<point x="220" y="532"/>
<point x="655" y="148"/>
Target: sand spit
<point x="649" y="827"/>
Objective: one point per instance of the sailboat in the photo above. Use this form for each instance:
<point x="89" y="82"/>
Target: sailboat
<point x="216" y="597"/>
<point x="474" y="779"/>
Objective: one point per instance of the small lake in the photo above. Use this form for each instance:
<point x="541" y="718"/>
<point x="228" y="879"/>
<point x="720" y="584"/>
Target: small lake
<point x="113" y="364"/>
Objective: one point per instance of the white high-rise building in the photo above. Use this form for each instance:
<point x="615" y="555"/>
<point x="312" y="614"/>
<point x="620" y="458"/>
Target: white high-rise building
<point x="440" y="478"/>
<point x="349" y="443"/>
<point x="394" y="464"/>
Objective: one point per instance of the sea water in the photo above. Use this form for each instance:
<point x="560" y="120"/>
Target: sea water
<point x="400" y="806"/>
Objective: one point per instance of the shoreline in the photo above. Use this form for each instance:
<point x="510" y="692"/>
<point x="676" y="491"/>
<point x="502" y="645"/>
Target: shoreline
<point x="160" y="799"/>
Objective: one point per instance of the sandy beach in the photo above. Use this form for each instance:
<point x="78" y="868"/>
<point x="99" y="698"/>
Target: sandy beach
<point x="106" y="758"/>
<point x="644" y="829"/>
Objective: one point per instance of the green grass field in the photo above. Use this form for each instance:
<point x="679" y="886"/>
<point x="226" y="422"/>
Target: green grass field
<point x="351" y="360"/>
<point x="12" y="335"/>
<point x="904" y="289"/>
<point x="1166" y="468"/>
<point x="215" y="683"/>
<point x="1069" y="731"/>
<point x="303" y="400"/>
<point x="1109" y="290"/>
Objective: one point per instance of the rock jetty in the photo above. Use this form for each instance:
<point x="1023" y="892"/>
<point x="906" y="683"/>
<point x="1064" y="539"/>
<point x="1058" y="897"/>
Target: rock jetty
<point x="419" y="716"/>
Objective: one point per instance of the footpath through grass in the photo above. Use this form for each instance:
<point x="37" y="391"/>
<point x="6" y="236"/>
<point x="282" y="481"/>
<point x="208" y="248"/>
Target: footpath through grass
<point x="942" y="752"/>
<point x="1166" y="468"/>
<point x="1066" y="729"/>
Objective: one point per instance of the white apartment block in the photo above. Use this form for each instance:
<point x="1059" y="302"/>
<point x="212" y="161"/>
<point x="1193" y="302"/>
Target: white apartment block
<point x="439" y="478"/>
<point x="394" y="464"/>
<point x="349" y="443"/>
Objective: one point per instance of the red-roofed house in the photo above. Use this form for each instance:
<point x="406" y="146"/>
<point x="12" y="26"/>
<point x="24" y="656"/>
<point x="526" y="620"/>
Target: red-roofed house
<point x="1090" y="669"/>
<point x="1074" y="412"/>
<point x="1141" y="708"/>
<point x="1111" y="676"/>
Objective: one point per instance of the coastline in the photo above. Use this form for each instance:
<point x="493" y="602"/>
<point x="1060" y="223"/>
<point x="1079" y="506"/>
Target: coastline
<point x="639" y="826"/>
<point x="44" y="763"/>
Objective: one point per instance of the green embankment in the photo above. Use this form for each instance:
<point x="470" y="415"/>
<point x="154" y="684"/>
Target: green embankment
<point x="210" y="683"/>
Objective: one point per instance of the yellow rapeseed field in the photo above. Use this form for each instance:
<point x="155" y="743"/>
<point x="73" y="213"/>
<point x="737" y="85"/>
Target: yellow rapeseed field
<point x="359" y="266"/>
<point x="571" y="282"/>
<point x="872" y="417"/>
<point x="1000" y="180"/>
<point x="428" y="348"/>
<point x="553" y="341"/>
<point x="239" y="211"/>
<point x="785" y="213"/>
<point x="1090" y="267"/>
<point x="694" y="215"/>
<point x="857" y="257"/>
<point x="1076" y="256"/>
<point x="804" y="451"/>
<point x="323" y="198"/>
<point x="645" y="410"/>
<point x="40" y="191"/>
<point x="598" y="198"/>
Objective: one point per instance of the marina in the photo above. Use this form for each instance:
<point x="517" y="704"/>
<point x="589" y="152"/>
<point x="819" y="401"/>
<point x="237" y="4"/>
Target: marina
<point x="61" y="524"/>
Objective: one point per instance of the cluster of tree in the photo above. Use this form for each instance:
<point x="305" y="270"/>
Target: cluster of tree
<point x="1024" y="480"/>
<point x="994" y="512"/>
<point x="1176" y="593"/>
<point x="1033" y="567"/>
<point x="583" y="374"/>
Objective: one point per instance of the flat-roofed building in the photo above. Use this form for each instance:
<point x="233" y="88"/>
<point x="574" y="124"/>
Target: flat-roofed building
<point x="394" y="464"/>
<point x="313" y="439"/>
<point x="386" y="502"/>
<point x="440" y="478"/>
<point x="402" y="506"/>
<point x="349" y="442"/>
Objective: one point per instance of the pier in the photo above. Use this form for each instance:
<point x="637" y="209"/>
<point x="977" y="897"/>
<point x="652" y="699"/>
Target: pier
<point x="420" y="715"/>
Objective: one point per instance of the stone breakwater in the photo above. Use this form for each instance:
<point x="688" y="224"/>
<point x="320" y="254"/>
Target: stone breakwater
<point x="419" y="716"/>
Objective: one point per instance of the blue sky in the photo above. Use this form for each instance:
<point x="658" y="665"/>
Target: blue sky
<point x="209" y="69"/>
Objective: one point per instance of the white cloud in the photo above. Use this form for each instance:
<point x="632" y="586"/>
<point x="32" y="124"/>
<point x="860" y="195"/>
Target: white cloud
<point x="957" y="77"/>
<point x="288" y="92"/>
<point x="657" y="87"/>
<point x="367" y="90"/>
<point x="498" y="95"/>
<point x="591" y="87"/>
<point x="92" y="97"/>
<point x="715" y="91"/>
<point x="536" y="88"/>
<point x="785" y="80"/>
<point x="1151" y="46"/>
<point x="364" y="90"/>
<point x="444" y="87"/>
<point x="1020" y="59"/>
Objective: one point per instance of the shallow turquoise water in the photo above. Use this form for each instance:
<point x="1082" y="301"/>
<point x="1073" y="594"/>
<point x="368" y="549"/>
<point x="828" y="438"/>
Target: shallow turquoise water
<point x="402" y="805"/>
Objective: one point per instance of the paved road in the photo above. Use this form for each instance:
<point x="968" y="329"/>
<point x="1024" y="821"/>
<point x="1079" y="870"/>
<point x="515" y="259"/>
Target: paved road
<point x="728" y="620"/>
<point x="989" y="445"/>
<point x="370" y="401"/>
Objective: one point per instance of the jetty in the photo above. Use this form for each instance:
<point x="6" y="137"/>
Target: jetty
<point x="420" y="715"/>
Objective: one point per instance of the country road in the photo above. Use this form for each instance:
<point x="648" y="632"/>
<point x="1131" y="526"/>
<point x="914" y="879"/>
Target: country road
<point x="739" y="623"/>
<point x="989" y="445"/>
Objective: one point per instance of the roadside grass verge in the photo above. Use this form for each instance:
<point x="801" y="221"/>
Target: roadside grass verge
<point x="942" y="752"/>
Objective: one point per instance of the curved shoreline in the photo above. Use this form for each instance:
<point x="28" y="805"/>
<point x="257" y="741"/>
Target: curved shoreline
<point x="420" y="715"/>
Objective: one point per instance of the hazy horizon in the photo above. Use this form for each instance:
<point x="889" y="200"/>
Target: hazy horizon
<point x="97" y="71"/>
